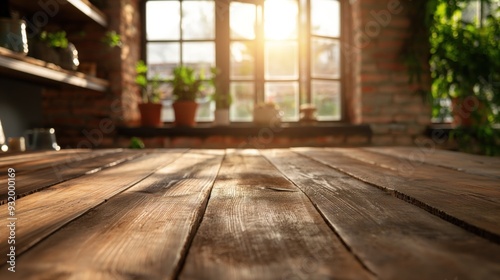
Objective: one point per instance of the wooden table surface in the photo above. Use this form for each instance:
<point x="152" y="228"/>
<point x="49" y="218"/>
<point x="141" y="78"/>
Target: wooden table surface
<point x="300" y="213"/>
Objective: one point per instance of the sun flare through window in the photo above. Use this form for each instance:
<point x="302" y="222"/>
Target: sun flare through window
<point x="283" y="51"/>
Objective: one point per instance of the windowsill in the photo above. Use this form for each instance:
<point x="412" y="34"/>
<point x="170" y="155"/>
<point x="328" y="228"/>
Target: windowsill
<point x="295" y="130"/>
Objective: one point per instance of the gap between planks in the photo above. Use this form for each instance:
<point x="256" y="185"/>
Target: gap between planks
<point x="40" y="179"/>
<point x="473" y="164"/>
<point x="476" y="211"/>
<point x="258" y="225"/>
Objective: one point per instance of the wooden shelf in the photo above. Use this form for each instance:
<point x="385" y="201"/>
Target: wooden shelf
<point x="292" y="130"/>
<point x="63" y="10"/>
<point x="31" y="69"/>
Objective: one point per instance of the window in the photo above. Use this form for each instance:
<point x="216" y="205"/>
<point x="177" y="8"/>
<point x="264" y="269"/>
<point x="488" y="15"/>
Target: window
<point x="281" y="51"/>
<point x="477" y="11"/>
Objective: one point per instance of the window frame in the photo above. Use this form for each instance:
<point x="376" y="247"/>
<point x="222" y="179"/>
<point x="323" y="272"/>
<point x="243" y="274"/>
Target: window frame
<point x="222" y="41"/>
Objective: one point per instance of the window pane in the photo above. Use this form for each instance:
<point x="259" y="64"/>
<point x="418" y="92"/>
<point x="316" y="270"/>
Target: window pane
<point x="325" y="18"/>
<point x="162" y="58"/>
<point x="243" y="101"/>
<point x="286" y="96"/>
<point x="326" y="97"/>
<point x="281" y="60"/>
<point x="162" y="20"/>
<point x="200" y="56"/>
<point x="325" y="58"/>
<point x="167" y="112"/>
<point x="204" y="113"/>
<point x="242" y="60"/>
<point x="280" y="19"/>
<point x="198" y="20"/>
<point x="242" y="20"/>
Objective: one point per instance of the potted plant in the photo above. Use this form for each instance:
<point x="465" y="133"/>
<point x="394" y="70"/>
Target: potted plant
<point x="266" y="114"/>
<point x="186" y="85"/>
<point x="222" y="103"/>
<point x="151" y="107"/>
<point x="55" y="48"/>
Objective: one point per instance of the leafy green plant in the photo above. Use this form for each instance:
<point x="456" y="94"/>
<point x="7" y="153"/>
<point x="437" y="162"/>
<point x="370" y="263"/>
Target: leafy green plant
<point x="136" y="143"/>
<point x="55" y="39"/>
<point x="150" y="89"/>
<point x="222" y="101"/>
<point x="464" y="61"/>
<point x="186" y="83"/>
<point x="465" y="58"/>
<point x="484" y="140"/>
<point x="221" y="98"/>
<point x="112" y="39"/>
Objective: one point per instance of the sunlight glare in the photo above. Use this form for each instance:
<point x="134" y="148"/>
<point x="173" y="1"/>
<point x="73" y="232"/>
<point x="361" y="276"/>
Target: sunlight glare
<point x="280" y="19"/>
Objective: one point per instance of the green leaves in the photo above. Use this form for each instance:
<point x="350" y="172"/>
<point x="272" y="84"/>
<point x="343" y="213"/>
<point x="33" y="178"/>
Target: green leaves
<point x="187" y="84"/>
<point x="55" y="39"/>
<point x="149" y="88"/>
<point x="465" y="62"/>
<point x="112" y="39"/>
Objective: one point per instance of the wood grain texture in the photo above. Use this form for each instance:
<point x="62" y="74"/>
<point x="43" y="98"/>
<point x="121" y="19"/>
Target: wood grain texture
<point x="44" y="212"/>
<point x="393" y="238"/>
<point x="33" y="159"/>
<point x="142" y="233"/>
<point x="39" y="179"/>
<point x="473" y="205"/>
<point x="473" y="164"/>
<point x="258" y="225"/>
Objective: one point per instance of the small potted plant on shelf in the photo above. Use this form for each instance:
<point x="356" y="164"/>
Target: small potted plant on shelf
<point x="266" y="114"/>
<point x="222" y="103"/>
<point x="151" y="107"/>
<point x="55" y="48"/>
<point x="187" y="85"/>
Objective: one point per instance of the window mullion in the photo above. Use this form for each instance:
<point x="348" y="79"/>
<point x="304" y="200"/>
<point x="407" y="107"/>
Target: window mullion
<point x="222" y="46"/>
<point x="307" y="50"/>
<point x="181" y="45"/>
<point x="259" y="56"/>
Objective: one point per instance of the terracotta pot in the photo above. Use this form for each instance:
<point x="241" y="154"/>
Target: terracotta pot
<point x="467" y="111"/>
<point x="185" y="113"/>
<point x="150" y="114"/>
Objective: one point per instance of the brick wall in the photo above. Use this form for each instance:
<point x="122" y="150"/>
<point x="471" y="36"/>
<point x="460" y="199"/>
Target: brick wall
<point x="383" y="96"/>
<point x="85" y="118"/>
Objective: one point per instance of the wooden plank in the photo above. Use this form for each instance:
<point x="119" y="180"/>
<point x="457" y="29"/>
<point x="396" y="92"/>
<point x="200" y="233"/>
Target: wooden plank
<point x="67" y="10"/>
<point x="39" y="179"/>
<point x="474" y="164"/>
<point x="393" y="238"/>
<point x="417" y="169"/>
<point x="473" y="205"/>
<point x="54" y="159"/>
<point x="142" y="233"/>
<point x="9" y="156"/>
<point x="46" y="211"/>
<point x="258" y="225"/>
<point x="26" y="157"/>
